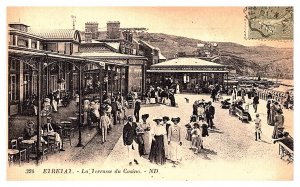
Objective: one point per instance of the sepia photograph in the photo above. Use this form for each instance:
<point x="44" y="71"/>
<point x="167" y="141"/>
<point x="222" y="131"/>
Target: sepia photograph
<point x="150" y="93"/>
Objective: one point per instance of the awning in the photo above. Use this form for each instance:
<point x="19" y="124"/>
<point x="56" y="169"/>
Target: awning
<point x="19" y="51"/>
<point x="183" y="71"/>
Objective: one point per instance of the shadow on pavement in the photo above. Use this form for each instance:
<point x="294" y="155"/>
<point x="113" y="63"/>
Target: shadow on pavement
<point x="205" y="152"/>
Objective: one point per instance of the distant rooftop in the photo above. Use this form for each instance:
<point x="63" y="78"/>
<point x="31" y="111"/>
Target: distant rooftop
<point x="187" y="62"/>
<point x="56" y="34"/>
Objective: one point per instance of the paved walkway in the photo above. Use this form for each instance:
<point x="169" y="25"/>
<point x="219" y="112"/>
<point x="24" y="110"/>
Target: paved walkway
<point x="230" y="152"/>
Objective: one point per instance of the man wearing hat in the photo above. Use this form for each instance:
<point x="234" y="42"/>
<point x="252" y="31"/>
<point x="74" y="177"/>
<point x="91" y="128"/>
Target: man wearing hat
<point x="137" y="108"/>
<point x="255" y="102"/>
<point x="130" y="140"/>
<point x="49" y="129"/>
<point x="210" y="113"/>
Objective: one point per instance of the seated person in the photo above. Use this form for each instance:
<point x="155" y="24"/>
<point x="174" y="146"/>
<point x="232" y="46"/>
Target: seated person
<point x="28" y="131"/>
<point x="49" y="130"/>
<point x="30" y="134"/>
<point x="286" y="139"/>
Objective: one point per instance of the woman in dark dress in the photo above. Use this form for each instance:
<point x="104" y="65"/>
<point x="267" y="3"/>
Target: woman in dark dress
<point x="157" y="152"/>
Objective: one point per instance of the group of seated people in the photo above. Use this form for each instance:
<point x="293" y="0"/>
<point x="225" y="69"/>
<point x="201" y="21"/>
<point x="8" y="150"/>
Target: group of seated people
<point x="238" y="104"/>
<point x="50" y="128"/>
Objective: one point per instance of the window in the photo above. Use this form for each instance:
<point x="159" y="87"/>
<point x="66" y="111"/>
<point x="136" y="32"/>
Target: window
<point x="34" y="84"/>
<point x="33" y="45"/>
<point x="22" y="43"/>
<point x="11" y="40"/>
<point x="13" y="64"/>
<point x="13" y="87"/>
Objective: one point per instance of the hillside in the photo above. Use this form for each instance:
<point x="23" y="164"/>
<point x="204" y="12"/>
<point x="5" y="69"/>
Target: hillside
<point x="247" y="60"/>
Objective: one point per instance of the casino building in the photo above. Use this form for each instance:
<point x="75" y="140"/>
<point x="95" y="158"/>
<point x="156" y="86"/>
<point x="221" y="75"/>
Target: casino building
<point x="187" y="72"/>
<point x="58" y="60"/>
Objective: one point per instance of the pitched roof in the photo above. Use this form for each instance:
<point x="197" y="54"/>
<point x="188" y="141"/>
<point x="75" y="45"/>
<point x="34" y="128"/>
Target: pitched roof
<point x="161" y="56"/>
<point x="188" y="62"/>
<point x="56" y="34"/>
<point x="107" y="55"/>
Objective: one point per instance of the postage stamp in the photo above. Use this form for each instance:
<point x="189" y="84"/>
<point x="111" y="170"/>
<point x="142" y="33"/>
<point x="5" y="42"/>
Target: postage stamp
<point x="272" y="23"/>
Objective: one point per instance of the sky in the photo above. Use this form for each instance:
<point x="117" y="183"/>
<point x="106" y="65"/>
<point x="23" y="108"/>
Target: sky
<point x="220" y="24"/>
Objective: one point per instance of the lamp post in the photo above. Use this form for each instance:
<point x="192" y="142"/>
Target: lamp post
<point x="39" y="118"/>
<point x="80" y="108"/>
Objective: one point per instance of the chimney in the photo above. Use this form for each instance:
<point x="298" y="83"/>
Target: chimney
<point x="113" y="30"/>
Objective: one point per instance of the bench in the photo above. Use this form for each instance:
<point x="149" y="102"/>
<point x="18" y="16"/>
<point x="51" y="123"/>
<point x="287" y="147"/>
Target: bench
<point x="241" y="115"/>
<point x="285" y="151"/>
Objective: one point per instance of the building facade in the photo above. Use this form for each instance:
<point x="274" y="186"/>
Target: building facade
<point x="187" y="72"/>
<point x="65" y="68"/>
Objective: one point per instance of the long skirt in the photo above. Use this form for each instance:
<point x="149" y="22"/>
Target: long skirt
<point x="175" y="151"/>
<point x="166" y="146"/>
<point x="54" y="105"/>
<point x="157" y="152"/>
<point x="147" y="142"/>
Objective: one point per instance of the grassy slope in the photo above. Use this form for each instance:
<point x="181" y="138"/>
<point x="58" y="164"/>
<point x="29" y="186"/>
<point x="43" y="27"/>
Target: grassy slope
<point x="252" y="58"/>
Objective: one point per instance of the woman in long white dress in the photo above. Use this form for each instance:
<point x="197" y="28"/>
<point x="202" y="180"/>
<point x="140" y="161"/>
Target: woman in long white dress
<point x="175" y="141"/>
<point x="145" y="125"/>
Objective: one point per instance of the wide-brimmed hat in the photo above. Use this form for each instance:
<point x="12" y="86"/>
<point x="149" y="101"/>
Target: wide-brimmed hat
<point x="175" y="119"/>
<point x="166" y="118"/>
<point x="193" y="116"/>
<point x="129" y="116"/>
<point x="47" y="100"/>
<point x="145" y="116"/>
<point x="157" y="119"/>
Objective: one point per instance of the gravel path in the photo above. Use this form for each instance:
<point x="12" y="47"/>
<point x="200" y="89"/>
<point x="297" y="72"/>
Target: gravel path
<point x="231" y="152"/>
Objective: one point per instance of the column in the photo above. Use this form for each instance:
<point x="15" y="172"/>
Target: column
<point x="100" y="80"/>
<point x="38" y="45"/>
<point x="29" y="43"/>
<point x="21" y="83"/>
<point x="39" y="118"/>
<point x="112" y="80"/>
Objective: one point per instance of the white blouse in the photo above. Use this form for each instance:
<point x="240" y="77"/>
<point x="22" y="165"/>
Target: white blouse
<point x="159" y="130"/>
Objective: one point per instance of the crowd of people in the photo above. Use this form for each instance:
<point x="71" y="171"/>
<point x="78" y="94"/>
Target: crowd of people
<point x="162" y="138"/>
<point x="160" y="95"/>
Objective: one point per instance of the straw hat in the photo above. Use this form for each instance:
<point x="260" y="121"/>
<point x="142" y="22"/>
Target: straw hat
<point x="157" y="119"/>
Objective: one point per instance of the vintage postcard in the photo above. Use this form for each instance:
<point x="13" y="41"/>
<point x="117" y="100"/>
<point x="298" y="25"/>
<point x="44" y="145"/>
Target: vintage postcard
<point x="150" y="93"/>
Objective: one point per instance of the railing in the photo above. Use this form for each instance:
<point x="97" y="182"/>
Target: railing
<point x="276" y="95"/>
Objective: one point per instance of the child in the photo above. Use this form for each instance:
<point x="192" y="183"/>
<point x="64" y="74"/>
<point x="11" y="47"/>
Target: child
<point x="257" y="122"/>
<point x="196" y="138"/>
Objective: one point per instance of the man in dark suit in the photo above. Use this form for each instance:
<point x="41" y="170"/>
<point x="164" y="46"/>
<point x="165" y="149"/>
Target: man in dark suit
<point x="137" y="108"/>
<point x="114" y="109"/>
<point x="210" y="113"/>
<point x="130" y="140"/>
